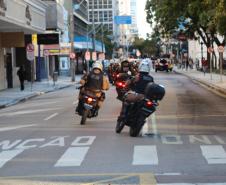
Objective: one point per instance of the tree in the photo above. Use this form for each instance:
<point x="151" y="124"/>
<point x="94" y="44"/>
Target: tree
<point x="196" y="18"/>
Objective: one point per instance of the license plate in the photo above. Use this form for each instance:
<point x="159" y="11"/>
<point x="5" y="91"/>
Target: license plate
<point x="88" y="106"/>
<point x="147" y="110"/>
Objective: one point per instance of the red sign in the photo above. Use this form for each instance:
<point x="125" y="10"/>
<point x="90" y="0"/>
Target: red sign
<point x="87" y="56"/>
<point x="221" y="49"/>
<point x="72" y="55"/>
<point x="210" y="49"/>
<point x="30" y="52"/>
<point x="94" y="56"/>
<point x="30" y="48"/>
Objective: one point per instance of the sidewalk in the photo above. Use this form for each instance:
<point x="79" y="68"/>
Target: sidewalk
<point x="214" y="84"/>
<point x="13" y="96"/>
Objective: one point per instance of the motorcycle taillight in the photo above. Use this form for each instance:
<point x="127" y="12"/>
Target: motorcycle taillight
<point x="89" y="100"/>
<point x="149" y="103"/>
<point x="121" y="84"/>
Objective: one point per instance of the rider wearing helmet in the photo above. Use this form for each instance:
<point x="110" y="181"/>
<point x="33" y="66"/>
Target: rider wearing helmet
<point x="94" y="83"/>
<point x="138" y="85"/>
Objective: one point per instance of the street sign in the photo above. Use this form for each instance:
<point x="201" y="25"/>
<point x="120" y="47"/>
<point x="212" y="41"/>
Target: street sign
<point x="94" y="56"/>
<point x="72" y="55"/>
<point x="210" y="49"/>
<point x="87" y="56"/>
<point x="30" y="52"/>
<point x="102" y="56"/>
<point x="123" y="19"/>
<point x="138" y="53"/>
<point x="50" y="38"/>
<point x="221" y="49"/>
<point x="46" y="52"/>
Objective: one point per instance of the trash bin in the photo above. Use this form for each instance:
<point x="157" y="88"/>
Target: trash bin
<point x="55" y="76"/>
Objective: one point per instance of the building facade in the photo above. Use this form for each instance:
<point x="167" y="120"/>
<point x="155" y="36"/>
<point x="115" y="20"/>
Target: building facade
<point x="133" y="13"/>
<point x="102" y="12"/>
<point x="29" y="18"/>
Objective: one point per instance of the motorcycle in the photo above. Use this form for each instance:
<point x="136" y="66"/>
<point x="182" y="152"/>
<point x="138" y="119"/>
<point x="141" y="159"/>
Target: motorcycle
<point x="89" y="108"/>
<point x="137" y="113"/>
<point x="121" y="89"/>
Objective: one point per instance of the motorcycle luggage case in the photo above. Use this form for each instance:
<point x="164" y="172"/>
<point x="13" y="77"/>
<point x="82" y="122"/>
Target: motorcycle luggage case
<point x="154" y="91"/>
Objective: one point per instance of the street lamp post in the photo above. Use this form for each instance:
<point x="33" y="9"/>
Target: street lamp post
<point x="201" y="50"/>
<point x="72" y="42"/>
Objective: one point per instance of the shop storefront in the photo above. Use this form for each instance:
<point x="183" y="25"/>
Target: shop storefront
<point x="17" y="18"/>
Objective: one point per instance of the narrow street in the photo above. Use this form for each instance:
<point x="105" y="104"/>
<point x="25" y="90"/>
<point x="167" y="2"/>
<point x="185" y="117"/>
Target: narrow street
<point x="41" y="140"/>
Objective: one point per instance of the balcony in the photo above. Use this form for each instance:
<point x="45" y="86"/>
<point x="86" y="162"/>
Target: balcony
<point x="26" y="16"/>
<point x="54" y="16"/>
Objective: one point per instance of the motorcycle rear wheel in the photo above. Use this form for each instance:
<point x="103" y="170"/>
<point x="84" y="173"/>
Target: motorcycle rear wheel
<point x="120" y="125"/>
<point x="84" y="117"/>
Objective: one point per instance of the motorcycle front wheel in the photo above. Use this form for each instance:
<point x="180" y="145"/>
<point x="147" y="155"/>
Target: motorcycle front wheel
<point x="84" y="117"/>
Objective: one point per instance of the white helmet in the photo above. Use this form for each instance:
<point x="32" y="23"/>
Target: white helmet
<point x="98" y="65"/>
<point x="144" y="66"/>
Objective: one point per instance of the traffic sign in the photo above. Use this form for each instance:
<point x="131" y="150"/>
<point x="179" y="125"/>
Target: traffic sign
<point x="221" y="49"/>
<point x="102" y="56"/>
<point x="72" y="55"/>
<point x="138" y="53"/>
<point x="94" y="56"/>
<point x="87" y="56"/>
<point x="30" y="52"/>
<point x="46" y="52"/>
<point x="210" y="49"/>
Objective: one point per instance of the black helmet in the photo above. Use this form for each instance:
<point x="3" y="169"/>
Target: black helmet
<point x="154" y="91"/>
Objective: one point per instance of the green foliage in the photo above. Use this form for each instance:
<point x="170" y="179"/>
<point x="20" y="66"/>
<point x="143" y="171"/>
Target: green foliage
<point x="205" y="16"/>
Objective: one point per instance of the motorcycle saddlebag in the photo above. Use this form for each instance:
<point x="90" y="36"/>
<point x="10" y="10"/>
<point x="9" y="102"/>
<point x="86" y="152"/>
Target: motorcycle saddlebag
<point x="154" y="91"/>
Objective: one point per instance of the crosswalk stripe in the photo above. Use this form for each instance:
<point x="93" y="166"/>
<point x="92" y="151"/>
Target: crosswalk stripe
<point x="214" y="154"/>
<point x="6" y="156"/>
<point x="145" y="155"/>
<point x="72" y="157"/>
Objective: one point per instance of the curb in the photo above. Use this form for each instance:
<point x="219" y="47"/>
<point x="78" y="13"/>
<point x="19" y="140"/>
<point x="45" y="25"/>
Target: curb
<point x="220" y="90"/>
<point x="33" y="96"/>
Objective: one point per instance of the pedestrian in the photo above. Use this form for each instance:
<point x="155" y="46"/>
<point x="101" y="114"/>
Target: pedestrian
<point x="204" y="65"/>
<point x="21" y="74"/>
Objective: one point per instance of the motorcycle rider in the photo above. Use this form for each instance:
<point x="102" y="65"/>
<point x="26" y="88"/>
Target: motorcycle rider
<point x="94" y="83"/>
<point x="138" y="85"/>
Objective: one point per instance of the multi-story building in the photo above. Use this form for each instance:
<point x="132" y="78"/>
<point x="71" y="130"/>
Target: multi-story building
<point x="102" y="12"/>
<point x="133" y="13"/>
<point x="18" y="19"/>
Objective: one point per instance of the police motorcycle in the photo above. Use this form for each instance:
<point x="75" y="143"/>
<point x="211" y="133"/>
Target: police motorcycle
<point x="120" y="84"/>
<point x="90" y="95"/>
<point x="89" y="107"/>
<point x="137" y="112"/>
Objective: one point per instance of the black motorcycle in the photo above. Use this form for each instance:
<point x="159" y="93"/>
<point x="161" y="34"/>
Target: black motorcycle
<point x="89" y="108"/>
<point x="137" y="112"/>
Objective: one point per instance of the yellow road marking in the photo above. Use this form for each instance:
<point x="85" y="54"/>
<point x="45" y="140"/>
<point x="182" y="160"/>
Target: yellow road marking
<point x="145" y="178"/>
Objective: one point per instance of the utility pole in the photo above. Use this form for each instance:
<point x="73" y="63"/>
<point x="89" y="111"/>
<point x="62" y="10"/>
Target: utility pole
<point x="72" y="41"/>
<point x="94" y="31"/>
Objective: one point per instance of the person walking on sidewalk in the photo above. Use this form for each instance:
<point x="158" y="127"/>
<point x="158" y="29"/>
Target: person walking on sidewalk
<point x="204" y="65"/>
<point x="21" y="74"/>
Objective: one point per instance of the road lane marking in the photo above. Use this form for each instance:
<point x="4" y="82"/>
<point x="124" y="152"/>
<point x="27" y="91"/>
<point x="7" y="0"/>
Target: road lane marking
<point x="214" y="154"/>
<point x="154" y="124"/>
<point x="6" y="156"/>
<point x="51" y="116"/>
<point x="74" y="156"/>
<point x="145" y="155"/>
<point x="27" y="112"/>
<point x="15" y="127"/>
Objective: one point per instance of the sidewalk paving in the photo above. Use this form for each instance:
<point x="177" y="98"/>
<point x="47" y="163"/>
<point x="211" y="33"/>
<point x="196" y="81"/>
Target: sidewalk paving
<point x="215" y="83"/>
<point x="13" y="96"/>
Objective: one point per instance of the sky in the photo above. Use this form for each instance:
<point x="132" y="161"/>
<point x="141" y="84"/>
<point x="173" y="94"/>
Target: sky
<point x="143" y="26"/>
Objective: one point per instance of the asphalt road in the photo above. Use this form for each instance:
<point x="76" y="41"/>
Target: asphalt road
<point x="42" y="142"/>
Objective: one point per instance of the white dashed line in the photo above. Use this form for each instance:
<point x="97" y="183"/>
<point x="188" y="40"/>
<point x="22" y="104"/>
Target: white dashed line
<point x="51" y="116"/>
<point x="15" y="127"/>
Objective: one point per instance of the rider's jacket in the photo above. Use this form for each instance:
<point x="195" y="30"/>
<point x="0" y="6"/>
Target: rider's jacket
<point x="94" y="81"/>
<point x="140" y="85"/>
